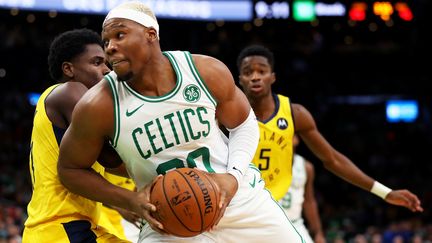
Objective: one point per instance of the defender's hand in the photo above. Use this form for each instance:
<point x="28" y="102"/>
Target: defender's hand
<point x="404" y="198"/>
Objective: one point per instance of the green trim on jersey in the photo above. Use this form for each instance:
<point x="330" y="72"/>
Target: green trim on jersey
<point x="167" y="95"/>
<point x="198" y="77"/>
<point x="116" y="110"/>
<point x="283" y="210"/>
<point x="252" y="166"/>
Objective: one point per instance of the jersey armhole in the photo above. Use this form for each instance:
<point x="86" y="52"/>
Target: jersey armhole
<point x="112" y="86"/>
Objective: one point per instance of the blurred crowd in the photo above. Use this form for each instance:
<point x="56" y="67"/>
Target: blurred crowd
<point x="322" y="68"/>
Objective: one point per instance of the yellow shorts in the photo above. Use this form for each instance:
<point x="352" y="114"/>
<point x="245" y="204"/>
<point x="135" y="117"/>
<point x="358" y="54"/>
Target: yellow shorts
<point x="73" y="232"/>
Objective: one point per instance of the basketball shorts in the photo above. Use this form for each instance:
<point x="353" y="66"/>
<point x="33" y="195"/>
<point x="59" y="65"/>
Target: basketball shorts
<point x="252" y="216"/>
<point x="130" y="230"/>
<point x="301" y="228"/>
<point x="74" y="232"/>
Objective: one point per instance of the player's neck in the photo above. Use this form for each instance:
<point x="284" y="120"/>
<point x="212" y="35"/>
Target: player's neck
<point x="157" y="80"/>
<point x="264" y="107"/>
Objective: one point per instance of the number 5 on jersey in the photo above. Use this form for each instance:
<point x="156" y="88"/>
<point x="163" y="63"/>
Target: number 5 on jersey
<point x="264" y="157"/>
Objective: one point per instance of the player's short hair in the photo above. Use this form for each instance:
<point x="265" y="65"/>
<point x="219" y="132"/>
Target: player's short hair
<point x="137" y="6"/>
<point x="255" y="50"/>
<point x="136" y="11"/>
<point x="67" y="46"/>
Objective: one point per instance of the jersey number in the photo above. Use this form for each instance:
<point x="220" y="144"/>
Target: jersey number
<point x="190" y="161"/>
<point x="266" y="158"/>
<point x="286" y="201"/>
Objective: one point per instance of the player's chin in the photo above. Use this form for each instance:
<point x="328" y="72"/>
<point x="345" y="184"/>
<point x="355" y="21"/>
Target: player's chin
<point x="123" y="75"/>
<point x="256" y="92"/>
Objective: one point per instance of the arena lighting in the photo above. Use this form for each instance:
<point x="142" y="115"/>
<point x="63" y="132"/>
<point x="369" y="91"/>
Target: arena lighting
<point x="33" y="98"/>
<point x="404" y="11"/>
<point x="228" y="10"/>
<point x="357" y="11"/>
<point x="304" y="10"/>
<point x="402" y="110"/>
<point x="383" y="9"/>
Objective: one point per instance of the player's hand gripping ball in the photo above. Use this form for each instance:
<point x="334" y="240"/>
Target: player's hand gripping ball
<point x="186" y="200"/>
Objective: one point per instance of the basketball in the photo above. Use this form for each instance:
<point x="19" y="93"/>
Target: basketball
<point x="186" y="200"/>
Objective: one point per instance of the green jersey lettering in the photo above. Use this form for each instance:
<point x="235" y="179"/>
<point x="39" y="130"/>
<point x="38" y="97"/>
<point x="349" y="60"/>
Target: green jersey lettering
<point x="135" y="139"/>
<point x="151" y="137"/>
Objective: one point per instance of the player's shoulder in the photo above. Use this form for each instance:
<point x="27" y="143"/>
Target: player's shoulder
<point x="214" y="73"/>
<point x="96" y="103"/>
<point x="99" y="93"/>
<point x="65" y="93"/>
<point x="302" y="116"/>
<point x="206" y="59"/>
<point x="69" y="89"/>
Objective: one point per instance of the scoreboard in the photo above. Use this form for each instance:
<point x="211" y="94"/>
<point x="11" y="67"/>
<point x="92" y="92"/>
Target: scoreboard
<point x="309" y="10"/>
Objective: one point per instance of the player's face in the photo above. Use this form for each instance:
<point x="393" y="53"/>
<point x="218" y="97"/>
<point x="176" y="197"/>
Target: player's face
<point x="125" y="46"/>
<point x="89" y="67"/>
<point x="256" y="76"/>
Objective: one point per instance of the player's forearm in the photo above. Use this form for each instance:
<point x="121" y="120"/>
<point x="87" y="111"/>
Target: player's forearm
<point x="312" y="217"/>
<point x="347" y="170"/>
<point x="242" y="144"/>
<point x="93" y="186"/>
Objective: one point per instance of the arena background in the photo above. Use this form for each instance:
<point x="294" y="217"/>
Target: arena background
<point x="342" y="68"/>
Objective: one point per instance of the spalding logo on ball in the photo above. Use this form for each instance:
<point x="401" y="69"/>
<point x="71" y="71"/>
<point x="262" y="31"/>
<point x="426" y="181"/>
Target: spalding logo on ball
<point x="186" y="200"/>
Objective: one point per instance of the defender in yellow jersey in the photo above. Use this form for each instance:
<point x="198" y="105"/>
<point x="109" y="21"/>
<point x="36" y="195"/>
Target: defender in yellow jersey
<point x="275" y="150"/>
<point x="123" y="223"/>
<point x="255" y="64"/>
<point x="77" y="61"/>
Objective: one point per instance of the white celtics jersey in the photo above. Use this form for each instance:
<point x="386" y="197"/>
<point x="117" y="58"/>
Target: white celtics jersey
<point x="292" y="202"/>
<point x="160" y="133"/>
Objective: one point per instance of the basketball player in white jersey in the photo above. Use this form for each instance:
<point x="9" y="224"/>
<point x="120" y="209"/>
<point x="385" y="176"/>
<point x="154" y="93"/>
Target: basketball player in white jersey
<point x="300" y="199"/>
<point x="159" y="110"/>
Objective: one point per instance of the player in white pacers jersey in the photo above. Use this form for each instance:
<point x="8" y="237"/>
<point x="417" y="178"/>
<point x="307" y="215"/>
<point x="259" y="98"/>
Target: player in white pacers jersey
<point x="300" y="199"/>
<point x="159" y="110"/>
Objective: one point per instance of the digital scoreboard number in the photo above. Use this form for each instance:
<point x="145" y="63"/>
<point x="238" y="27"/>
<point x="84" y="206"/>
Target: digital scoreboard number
<point x="273" y="10"/>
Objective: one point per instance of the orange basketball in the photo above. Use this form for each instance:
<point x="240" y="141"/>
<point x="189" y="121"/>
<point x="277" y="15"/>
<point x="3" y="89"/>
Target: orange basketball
<point x="187" y="201"/>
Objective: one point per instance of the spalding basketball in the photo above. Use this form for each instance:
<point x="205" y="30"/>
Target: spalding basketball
<point x="186" y="200"/>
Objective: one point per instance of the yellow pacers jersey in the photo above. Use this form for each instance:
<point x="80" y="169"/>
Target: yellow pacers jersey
<point x="51" y="201"/>
<point x="110" y="219"/>
<point x="274" y="154"/>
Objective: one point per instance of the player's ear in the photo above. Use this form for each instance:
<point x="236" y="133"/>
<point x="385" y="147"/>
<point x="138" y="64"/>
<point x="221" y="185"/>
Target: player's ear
<point x="152" y="34"/>
<point x="273" y="77"/>
<point x="67" y="69"/>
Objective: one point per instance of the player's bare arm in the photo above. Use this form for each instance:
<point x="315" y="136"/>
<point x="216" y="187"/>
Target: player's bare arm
<point x="233" y="106"/>
<point x="340" y="165"/>
<point x="61" y="102"/>
<point x="87" y="134"/>
<point x="332" y="159"/>
<point x="232" y="110"/>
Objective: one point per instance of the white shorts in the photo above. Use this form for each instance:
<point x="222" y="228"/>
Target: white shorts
<point x="130" y="230"/>
<point x="252" y="216"/>
<point x="301" y="228"/>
